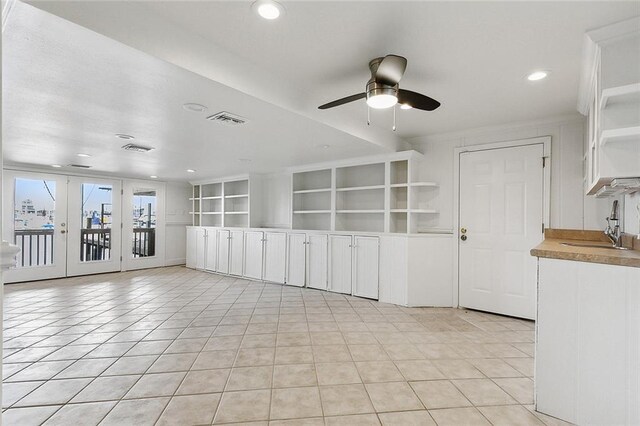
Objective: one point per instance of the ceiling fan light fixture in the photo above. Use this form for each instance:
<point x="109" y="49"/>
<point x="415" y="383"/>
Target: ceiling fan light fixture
<point x="382" y="101"/>
<point x="268" y="9"/>
<point x="537" y="75"/>
<point x="405" y="106"/>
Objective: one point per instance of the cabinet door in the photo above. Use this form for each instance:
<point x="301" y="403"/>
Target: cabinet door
<point x="236" y="247"/>
<point x="200" y="248"/>
<point x="211" y="256"/>
<point x="253" y="245"/>
<point x="340" y="263"/>
<point x="224" y="242"/>
<point x="366" y="256"/>
<point x="275" y="256"/>
<point x="191" y="246"/>
<point x="296" y="259"/>
<point x="317" y="262"/>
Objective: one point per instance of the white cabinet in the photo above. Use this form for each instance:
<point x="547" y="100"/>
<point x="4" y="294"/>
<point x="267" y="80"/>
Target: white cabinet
<point x="275" y="256"/>
<point x="200" y="248"/>
<point x="253" y="249"/>
<point x="296" y="259"/>
<point x="340" y="261"/>
<point x="317" y="261"/>
<point x="192" y="233"/>
<point x="224" y="243"/>
<point x="366" y="266"/>
<point x="211" y="249"/>
<point x="236" y="251"/>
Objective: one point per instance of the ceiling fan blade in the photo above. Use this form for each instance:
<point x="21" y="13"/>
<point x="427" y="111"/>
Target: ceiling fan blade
<point x="391" y="69"/>
<point x="417" y="100"/>
<point x="343" y="101"/>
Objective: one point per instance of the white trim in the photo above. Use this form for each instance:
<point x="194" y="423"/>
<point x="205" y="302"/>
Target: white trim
<point x="546" y="199"/>
<point x="357" y="161"/>
<point x="88" y="173"/>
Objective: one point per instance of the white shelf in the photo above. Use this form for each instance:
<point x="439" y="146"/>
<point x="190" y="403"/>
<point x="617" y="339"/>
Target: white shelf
<point x="360" y="188"/>
<point x="218" y="197"/>
<point x="625" y="134"/>
<point x="194" y="199"/>
<point x="237" y="196"/>
<point x="311" y="191"/>
<point x="311" y="211"/>
<point x="628" y="93"/>
<point x="194" y="212"/>
<point x="211" y="212"/>
<point x="359" y="211"/>
<point x="424" y="184"/>
<point x="236" y="212"/>
<point x="399" y="210"/>
<point x="399" y="185"/>
<point x="425" y="211"/>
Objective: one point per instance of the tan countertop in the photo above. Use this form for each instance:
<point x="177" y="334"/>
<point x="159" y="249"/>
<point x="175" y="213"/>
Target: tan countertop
<point x="553" y="248"/>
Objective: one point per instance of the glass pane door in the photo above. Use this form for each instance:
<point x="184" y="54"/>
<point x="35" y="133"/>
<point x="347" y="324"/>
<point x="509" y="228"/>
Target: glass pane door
<point x="94" y="226"/>
<point x="35" y="220"/>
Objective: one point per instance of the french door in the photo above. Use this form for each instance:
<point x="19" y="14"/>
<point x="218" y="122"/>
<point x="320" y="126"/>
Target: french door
<point x="64" y="226"/>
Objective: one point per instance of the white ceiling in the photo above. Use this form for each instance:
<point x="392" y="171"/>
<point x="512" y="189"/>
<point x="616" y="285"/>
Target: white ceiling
<point x="471" y="56"/>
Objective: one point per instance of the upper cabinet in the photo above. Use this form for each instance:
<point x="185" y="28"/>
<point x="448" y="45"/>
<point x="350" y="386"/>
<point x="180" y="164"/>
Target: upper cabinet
<point x="610" y="96"/>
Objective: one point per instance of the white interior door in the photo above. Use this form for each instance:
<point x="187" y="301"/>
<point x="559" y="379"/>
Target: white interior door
<point x="35" y="219"/>
<point x="253" y="248"/>
<point x="224" y="243"/>
<point x="275" y="255"/>
<point x="296" y="259"/>
<point x="317" y="261"/>
<point x="237" y="247"/>
<point x="501" y="215"/>
<point x="367" y="254"/>
<point x="211" y="249"/>
<point x="340" y="253"/>
<point x="95" y="225"/>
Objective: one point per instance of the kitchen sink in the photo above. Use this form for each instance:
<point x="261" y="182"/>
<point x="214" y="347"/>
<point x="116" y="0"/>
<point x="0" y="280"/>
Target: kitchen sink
<point x="593" y="245"/>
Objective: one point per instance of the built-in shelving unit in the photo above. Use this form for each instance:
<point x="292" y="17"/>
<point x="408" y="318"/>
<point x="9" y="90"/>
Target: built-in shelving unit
<point x="222" y="203"/>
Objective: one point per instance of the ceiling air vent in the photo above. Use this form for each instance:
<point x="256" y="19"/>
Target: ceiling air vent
<point x="136" y="148"/>
<point x="80" y="166"/>
<point x="227" y="118"/>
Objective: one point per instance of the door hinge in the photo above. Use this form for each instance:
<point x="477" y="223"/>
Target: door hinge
<point x="544" y="162"/>
<point x="120" y="258"/>
<point x="121" y="225"/>
<point x="543" y="227"/>
<point x="121" y="191"/>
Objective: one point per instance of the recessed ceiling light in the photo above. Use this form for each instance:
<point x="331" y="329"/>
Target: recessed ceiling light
<point x="83" y="155"/>
<point x="268" y="9"/>
<point x="194" y="107"/>
<point x="405" y="106"/>
<point x="57" y="166"/>
<point x="537" y="75"/>
<point x="123" y="136"/>
<point x="153" y="177"/>
<point x="190" y="171"/>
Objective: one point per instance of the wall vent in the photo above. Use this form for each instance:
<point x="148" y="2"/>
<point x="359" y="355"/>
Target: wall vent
<point x="227" y="118"/>
<point x="80" y="166"/>
<point x="136" y="148"/>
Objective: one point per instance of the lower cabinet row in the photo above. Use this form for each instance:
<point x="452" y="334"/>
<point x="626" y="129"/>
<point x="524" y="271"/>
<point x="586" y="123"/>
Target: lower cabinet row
<point x="346" y="264"/>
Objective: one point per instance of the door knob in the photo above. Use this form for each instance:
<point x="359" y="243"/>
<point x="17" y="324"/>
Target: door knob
<point x="63" y="232"/>
<point x="463" y="230"/>
<point x="463" y="237"/>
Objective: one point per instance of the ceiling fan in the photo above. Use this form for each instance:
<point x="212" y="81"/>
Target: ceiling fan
<point x="382" y="90"/>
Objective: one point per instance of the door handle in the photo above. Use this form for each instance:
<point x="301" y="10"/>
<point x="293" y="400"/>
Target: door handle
<point x="63" y="232"/>
<point x="463" y="237"/>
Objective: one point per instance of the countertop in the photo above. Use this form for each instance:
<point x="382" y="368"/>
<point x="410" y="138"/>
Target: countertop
<point x="553" y="248"/>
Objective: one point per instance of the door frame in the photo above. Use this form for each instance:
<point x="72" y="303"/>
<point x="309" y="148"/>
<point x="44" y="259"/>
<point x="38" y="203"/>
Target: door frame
<point x="546" y="196"/>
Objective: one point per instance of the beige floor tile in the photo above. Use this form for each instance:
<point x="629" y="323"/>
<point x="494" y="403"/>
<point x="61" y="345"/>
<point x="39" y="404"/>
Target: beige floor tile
<point x="139" y="412"/>
<point x="293" y="339"/>
<point x="190" y="410"/>
<point x="331" y="353"/>
<point x="244" y="406"/>
<point x="459" y="417"/>
<point x="29" y="416"/>
<point x="521" y="389"/>
<point x="12" y="392"/>
<point x="523" y="365"/>
<point x="255" y="357"/>
<point x="258" y="341"/>
<point x="53" y="392"/>
<point x="294" y="355"/>
<point x="173" y="362"/>
<point x="81" y="414"/>
<point x="70" y="352"/>
<point x="437" y="351"/>
<point x="204" y="381"/>
<point x="337" y="373"/>
<point x="368" y="353"/>
<point x="378" y="371"/>
<point x="360" y="338"/>
<point x="39" y="371"/>
<point x="223" y="343"/>
<point x="214" y="359"/>
<point x="86" y="368"/>
<point x="294" y="375"/>
<point x="512" y="415"/>
<point x="313" y="421"/>
<point x="326" y="338"/>
<point x="353" y="420"/>
<point x="407" y="418"/>
<point x="419" y="370"/>
<point x="247" y="378"/>
<point x="130" y="365"/>
<point x="439" y="394"/>
<point x="107" y="350"/>
<point x="403" y="352"/>
<point x="494" y="367"/>
<point x="158" y="384"/>
<point x="106" y="388"/>
<point x="483" y="392"/>
<point x="457" y="369"/>
<point x="291" y="403"/>
<point x="394" y="396"/>
<point x="345" y="399"/>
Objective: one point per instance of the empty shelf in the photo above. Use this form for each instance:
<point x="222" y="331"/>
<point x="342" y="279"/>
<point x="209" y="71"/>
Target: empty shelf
<point x="625" y="134"/>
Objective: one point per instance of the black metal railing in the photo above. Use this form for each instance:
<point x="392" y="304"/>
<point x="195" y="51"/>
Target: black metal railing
<point x="144" y="242"/>
<point x="96" y="244"/>
<point x="36" y="247"/>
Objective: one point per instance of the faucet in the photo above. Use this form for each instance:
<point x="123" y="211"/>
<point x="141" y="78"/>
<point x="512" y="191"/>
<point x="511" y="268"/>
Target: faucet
<point x="613" y="232"/>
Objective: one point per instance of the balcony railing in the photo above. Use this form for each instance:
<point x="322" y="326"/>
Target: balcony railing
<point x="36" y="247"/>
<point x="96" y="244"/>
<point x="144" y="242"/>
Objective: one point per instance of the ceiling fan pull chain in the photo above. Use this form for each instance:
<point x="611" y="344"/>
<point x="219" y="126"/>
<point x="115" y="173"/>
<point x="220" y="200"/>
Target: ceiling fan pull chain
<point x="394" y="119"/>
<point x="368" y="116"/>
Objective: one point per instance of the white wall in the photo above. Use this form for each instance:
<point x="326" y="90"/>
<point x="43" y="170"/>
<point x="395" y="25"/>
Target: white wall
<point x="569" y="209"/>
<point x="177" y="218"/>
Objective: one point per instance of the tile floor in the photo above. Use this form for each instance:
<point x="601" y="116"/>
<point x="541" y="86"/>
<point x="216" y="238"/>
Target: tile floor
<point x="173" y="346"/>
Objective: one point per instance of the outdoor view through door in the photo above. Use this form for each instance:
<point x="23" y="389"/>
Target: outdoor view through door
<point x="144" y="223"/>
<point x="95" y="237"/>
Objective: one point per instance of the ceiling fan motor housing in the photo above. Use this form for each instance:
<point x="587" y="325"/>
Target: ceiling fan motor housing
<point x="375" y="88"/>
